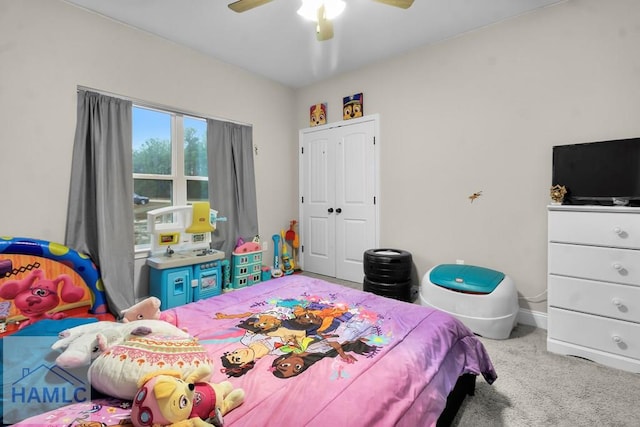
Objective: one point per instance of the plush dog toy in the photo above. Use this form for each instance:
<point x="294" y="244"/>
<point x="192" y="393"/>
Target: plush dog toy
<point x="164" y="399"/>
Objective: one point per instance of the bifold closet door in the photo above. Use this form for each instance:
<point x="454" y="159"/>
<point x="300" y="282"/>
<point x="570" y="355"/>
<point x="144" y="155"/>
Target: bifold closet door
<point x="338" y="170"/>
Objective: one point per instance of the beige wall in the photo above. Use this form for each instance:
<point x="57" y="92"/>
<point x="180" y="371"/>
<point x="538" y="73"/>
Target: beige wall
<point x="481" y="112"/>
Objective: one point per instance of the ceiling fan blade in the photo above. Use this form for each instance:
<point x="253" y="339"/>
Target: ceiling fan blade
<point x="404" y="4"/>
<point x="324" y="30"/>
<point x="244" y="5"/>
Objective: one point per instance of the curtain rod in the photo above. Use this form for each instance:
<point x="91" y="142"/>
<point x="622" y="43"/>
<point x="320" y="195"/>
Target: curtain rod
<point x="157" y="106"/>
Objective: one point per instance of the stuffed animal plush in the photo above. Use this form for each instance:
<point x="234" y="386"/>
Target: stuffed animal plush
<point x="83" y="344"/>
<point x="148" y="308"/>
<point x="164" y="399"/>
<point x="81" y="348"/>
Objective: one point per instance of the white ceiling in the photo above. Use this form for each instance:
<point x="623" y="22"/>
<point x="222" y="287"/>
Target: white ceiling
<point x="273" y="41"/>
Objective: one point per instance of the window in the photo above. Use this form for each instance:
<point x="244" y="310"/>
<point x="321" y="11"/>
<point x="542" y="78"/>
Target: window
<point x="169" y="164"/>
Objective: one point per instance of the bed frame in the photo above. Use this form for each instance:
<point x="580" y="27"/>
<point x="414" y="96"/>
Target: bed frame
<point x="465" y="386"/>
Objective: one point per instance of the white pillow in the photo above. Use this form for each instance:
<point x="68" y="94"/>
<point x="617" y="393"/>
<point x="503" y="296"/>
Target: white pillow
<point x="116" y="371"/>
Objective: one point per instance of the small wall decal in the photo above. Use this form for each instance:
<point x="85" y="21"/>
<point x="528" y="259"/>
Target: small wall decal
<point x="475" y="195"/>
<point x="352" y="106"/>
<point x="318" y="114"/>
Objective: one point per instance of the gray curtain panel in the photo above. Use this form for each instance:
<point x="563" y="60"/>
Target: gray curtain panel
<point x="232" y="183"/>
<point x="100" y="217"/>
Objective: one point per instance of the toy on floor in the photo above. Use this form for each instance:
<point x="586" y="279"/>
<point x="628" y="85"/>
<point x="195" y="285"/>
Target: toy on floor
<point x="148" y="308"/>
<point x="287" y="262"/>
<point x="291" y="232"/>
<point x="164" y="399"/>
<point x="292" y="238"/>
<point x="275" y="270"/>
<point x="296" y="245"/>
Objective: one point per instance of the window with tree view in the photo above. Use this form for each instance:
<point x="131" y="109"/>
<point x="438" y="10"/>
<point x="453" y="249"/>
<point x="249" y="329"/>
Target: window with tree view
<point x="169" y="164"/>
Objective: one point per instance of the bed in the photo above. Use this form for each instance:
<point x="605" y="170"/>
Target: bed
<point x="401" y="364"/>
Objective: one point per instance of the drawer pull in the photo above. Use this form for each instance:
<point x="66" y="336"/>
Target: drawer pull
<point x="616" y="339"/>
<point x="620" y="305"/>
<point x="618" y="231"/>
<point x="617" y="266"/>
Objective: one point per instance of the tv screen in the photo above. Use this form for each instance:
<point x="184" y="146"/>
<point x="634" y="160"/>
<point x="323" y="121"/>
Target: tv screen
<point x="601" y="173"/>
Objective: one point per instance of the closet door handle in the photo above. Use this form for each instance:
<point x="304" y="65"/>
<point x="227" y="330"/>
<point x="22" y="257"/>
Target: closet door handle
<point x="330" y="210"/>
<point x="339" y="210"/>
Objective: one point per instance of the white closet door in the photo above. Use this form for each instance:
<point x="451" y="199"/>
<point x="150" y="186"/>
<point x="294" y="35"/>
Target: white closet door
<point x="318" y="223"/>
<point x="338" y="210"/>
<point x="354" y="199"/>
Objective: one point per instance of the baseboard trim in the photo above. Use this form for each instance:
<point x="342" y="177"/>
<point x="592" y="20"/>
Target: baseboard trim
<point x="532" y="318"/>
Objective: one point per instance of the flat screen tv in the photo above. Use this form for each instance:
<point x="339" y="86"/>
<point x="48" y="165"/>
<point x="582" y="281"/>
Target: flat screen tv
<point x="599" y="173"/>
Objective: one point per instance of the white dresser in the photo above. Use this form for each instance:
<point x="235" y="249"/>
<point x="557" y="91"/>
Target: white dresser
<point x="594" y="284"/>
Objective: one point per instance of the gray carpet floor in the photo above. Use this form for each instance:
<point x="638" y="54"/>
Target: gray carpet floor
<point x="538" y="388"/>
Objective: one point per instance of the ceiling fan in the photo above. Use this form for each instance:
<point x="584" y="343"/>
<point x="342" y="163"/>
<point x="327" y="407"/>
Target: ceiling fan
<point x="320" y="12"/>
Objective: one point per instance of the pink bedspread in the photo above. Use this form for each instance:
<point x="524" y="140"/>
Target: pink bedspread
<point x="323" y="354"/>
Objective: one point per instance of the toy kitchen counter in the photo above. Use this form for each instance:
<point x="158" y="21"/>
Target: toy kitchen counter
<point x="183" y="268"/>
<point x="184" y="277"/>
<point x="182" y="259"/>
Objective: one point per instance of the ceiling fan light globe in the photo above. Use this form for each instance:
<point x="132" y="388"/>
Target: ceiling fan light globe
<point x="309" y="9"/>
<point x="332" y="8"/>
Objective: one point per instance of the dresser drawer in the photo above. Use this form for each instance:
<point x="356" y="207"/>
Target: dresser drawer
<point x="599" y="333"/>
<point x="595" y="263"/>
<point x="595" y="228"/>
<point x="600" y="298"/>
